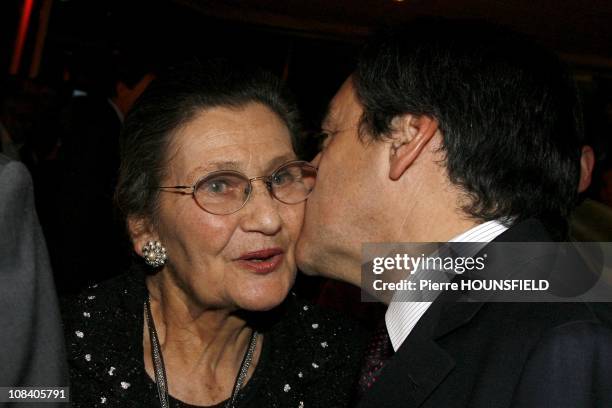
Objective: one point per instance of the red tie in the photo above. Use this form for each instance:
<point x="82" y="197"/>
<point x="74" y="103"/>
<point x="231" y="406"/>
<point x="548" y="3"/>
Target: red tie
<point x="377" y="353"/>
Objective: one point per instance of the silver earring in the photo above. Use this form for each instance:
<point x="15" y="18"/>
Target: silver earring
<point x="154" y="254"/>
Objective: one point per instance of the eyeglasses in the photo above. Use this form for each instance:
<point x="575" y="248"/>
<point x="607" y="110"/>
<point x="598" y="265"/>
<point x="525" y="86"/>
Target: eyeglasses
<point x="226" y="191"/>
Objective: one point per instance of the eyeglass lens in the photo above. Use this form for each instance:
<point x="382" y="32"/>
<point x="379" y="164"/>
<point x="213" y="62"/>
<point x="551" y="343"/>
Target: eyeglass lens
<point x="227" y="192"/>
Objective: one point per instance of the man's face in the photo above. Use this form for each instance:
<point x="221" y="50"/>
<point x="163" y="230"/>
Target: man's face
<point x="347" y="206"/>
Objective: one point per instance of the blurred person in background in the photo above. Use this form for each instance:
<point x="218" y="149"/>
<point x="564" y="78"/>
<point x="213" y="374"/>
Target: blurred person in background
<point x="16" y="117"/>
<point x="89" y="161"/>
<point x="31" y="336"/>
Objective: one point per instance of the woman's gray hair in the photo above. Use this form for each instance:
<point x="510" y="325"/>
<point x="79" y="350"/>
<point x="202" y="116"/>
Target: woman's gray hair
<point x="172" y="100"/>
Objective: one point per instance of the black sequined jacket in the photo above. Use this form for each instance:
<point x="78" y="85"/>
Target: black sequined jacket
<point x="310" y="356"/>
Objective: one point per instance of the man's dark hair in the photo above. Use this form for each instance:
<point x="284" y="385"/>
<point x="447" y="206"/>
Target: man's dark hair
<point x="507" y="109"/>
<point x="173" y="99"/>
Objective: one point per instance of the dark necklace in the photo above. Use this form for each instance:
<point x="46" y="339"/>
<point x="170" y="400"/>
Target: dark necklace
<point x="160" y="369"/>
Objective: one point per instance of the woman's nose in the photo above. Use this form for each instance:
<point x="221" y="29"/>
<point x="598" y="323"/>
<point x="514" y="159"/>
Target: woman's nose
<point x="262" y="210"/>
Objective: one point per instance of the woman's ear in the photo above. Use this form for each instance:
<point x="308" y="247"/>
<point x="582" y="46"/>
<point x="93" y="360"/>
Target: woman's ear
<point x="410" y="136"/>
<point x="141" y="232"/>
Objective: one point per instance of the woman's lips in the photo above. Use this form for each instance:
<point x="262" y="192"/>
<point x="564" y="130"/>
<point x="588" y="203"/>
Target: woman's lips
<point x="263" y="261"/>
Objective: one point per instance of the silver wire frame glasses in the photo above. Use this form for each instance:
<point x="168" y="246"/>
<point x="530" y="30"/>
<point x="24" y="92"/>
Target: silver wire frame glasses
<point x="225" y="192"/>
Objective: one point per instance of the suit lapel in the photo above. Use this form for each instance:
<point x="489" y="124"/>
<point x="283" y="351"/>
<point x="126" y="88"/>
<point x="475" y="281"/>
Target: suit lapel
<point x="415" y="370"/>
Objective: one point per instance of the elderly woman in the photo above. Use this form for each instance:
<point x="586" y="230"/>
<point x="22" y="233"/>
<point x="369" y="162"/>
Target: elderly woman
<point x="213" y="196"/>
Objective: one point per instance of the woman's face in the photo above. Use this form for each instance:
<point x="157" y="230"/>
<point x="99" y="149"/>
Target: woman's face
<point x="204" y="250"/>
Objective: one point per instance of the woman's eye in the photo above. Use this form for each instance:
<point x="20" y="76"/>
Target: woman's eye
<point x="217" y="186"/>
<point x="283" y="177"/>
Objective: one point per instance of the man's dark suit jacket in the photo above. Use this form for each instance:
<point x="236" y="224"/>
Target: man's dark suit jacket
<point x="498" y="355"/>
<point x="31" y="336"/>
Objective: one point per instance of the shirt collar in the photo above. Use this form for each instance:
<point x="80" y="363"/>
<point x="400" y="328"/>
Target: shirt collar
<point x="485" y="232"/>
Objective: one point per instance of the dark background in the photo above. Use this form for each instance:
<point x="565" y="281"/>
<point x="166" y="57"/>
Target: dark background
<point x="311" y="43"/>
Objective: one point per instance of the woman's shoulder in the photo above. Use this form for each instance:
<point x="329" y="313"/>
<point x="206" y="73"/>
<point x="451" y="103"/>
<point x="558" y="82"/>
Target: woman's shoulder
<point x="102" y="310"/>
<point x="103" y="331"/>
<point x="104" y="295"/>
<point x="111" y="296"/>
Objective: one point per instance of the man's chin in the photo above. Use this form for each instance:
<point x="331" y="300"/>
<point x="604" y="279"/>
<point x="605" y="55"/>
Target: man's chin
<point x="305" y="258"/>
<point x="306" y="267"/>
<point x="314" y="259"/>
<point x="306" y="270"/>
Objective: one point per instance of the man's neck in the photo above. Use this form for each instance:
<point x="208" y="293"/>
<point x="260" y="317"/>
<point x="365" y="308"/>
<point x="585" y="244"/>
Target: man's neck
<point x="440" y="227"/>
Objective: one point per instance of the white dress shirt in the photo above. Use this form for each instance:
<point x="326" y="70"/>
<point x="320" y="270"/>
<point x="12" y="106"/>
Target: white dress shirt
<point x="402" y="316"/>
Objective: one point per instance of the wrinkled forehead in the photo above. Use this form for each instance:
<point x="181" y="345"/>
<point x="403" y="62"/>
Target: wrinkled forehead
<point x="249" y="139"/>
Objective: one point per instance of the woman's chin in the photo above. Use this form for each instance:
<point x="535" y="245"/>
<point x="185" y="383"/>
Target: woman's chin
<point x="262" y="298"/>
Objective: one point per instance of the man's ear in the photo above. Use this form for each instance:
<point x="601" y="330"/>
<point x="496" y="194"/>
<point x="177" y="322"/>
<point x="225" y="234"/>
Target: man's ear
<point x="587" y="162"/>
<point x="141" y="232"/>
<point x="410" y="136"/>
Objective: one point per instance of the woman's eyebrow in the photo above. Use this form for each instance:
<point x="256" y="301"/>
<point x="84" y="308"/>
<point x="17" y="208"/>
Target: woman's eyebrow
<point x="214" y="166"/>
<point x="225" y="165"/>
<point x="236" y="166"/>
<point x="279" y="160"/>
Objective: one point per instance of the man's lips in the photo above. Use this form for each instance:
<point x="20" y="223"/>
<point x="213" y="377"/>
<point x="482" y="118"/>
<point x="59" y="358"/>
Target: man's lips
<point x="262" y="261"/>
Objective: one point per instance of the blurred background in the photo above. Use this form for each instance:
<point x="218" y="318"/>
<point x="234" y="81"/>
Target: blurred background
<point x="62" y="60"/>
